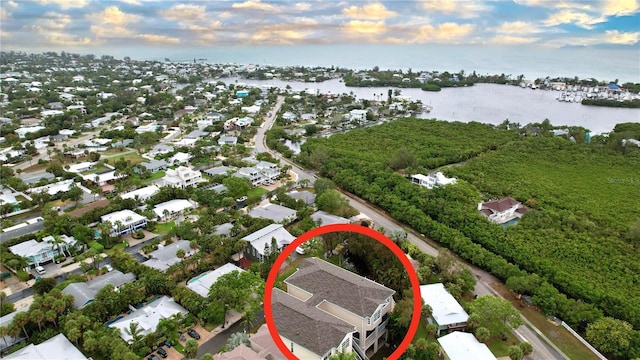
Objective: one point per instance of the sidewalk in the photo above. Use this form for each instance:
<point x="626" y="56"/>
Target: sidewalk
<point x="232" y="318"/>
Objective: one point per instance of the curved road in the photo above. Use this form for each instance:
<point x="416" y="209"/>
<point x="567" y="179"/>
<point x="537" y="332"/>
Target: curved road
<point x="543" y="348"/>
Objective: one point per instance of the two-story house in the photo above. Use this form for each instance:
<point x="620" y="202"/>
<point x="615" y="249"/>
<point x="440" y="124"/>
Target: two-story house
<point x="181" y="177"/>
<point x="502" y="211"/>
<point x="259" y="241"/>
<point x="360" y="302"/>
<point x="38" y="253"/>
<point x="432" y="180"/>
<point x="124" y="222"/>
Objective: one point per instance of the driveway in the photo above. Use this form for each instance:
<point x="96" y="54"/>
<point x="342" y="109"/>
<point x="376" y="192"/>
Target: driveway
<point x="215" y="344"/>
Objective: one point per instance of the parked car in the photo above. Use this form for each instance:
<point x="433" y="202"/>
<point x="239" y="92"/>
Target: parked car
<point x="108" y="267"/>
<point x="40" y="270"/>
<point x="152" y="357"/>
<point x="244" y="198"/>
<point x="167" y="343"/>
<point x="162" y="352"/>
<point x="194" y="334"/>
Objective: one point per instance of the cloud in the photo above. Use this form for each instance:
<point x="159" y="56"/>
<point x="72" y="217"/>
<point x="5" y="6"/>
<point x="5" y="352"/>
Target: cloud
<point x="513" y="40"/>
<point x="466" y="9"/>
<point x="55" y="21"/>
<point x="112" y="23"/>
<point x="302" y="6"/>
<point x="183" y="12"/>
<point x="516" y="27"/>
<point x="580" y="19"/>
<point x="57" y="38"/>
<point x="65" y="4"/>
<point x="355" y="27"/>
<point x="158" y="39"/>
<point x="254" y="5"/>
<point x="609" y="37"/>
<point x="11" y="3"/>
<point x="373" y="11"/>
<point x="131" y="2"/>
<point x="4" y="14"/>
<point x="621" y="7"/>
<point x="445" y="32"/>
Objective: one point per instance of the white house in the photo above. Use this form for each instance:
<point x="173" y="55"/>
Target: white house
<point x="23" y="131"/>
<point x="464" y="346"/>
<point x="128" y="221"/>
<point x="142" y="194"/>
<point x="181" y="177"/>
<point x="148" y="317"/>
<point x="503" y="210"/>
<point x="447" y="314"/>
<point x="432" y="180"/>
<point x="179" y="158"/>
<point x="358" y="115"/>
<point x="172" y="208"/>
<point x="53" y="189"/>
<point x="202" y="283"/>
<point x="259" y="240"/>
<point x="42" y="252"/>
<point x="58" y="347"/>
<point x="277" y="213"/>
<point x="81" y="167"/>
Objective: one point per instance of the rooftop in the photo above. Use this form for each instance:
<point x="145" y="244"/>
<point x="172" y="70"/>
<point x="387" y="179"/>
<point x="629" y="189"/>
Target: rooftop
<point x="464" y="346"/>
<point x="202" y="284"/>
<point x="84" y="292"/>
<point x="58" y="347"/>
<point x="445" y="308"/>
<point x="275" y="212"/>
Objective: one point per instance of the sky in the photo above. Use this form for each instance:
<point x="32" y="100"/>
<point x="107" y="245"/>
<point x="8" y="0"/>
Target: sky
<point x="93" y="26"/>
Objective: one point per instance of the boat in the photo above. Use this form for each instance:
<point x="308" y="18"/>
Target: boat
<point x="427" y="108"/>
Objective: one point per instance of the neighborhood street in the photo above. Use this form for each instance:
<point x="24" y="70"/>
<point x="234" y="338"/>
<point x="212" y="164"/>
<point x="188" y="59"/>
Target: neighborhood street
<point x="543" y="348"/>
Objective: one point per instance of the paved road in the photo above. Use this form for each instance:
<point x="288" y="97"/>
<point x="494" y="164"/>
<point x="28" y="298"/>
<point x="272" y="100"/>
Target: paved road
<point x="542" y="350"/>
<point x="43" y="155"/>
<point x="215" y="344"/>
<point x="28" y="229"/>
<point x="261" y="145"/>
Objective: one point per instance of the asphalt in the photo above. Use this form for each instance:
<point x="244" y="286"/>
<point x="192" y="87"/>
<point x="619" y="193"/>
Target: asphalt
<point x="215" y="344"/>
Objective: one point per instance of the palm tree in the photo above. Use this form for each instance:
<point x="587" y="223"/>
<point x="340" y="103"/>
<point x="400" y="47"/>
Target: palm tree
<point x="37" y="316"/>
<point x="135" y="331"/>
<point x="56" y="242"/>
<point x="21" y="319"/>
<point x="4" y="332"/>
<point x="247" y="322"/>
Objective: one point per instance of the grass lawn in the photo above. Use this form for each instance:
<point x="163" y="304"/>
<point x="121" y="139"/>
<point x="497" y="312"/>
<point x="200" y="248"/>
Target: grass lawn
<point x="99" y="169"/>
<point x="257" y="192"/>
<point x="155" y="176"/>
<point x="179" y="348"/>
<point x="163" y="228"/>
<point x="120" y="246"/>
<point x="421" y="332"/>
<point x="500" y="347"/>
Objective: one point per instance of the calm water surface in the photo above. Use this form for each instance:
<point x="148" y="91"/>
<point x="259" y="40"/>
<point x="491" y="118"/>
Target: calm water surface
<point x="486" y="103"/>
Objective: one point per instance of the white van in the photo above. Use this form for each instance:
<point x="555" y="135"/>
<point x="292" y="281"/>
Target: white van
<point x="40" y="270"/>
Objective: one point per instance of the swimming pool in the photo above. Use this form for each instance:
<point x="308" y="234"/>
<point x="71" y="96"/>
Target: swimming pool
<point x="198" y="277"/>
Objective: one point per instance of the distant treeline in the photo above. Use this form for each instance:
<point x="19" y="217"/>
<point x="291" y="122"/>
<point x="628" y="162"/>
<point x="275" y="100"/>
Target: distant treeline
<point x="635" y="103"/>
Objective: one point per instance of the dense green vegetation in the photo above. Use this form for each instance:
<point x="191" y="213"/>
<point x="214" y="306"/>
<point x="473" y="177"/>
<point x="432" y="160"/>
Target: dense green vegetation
<point x="612" y="103"/>
<point x="584" y="201"/>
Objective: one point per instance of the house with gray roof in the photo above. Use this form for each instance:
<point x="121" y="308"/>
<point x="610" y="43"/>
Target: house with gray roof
<point x="7" y="341"/>
<point x="220" y="170"/>
<point x="227" y="140"/>
<point x="166" y="256"/>
<point x="324" y="218"/>
<point x="278" y="213"/>
<point x="361" y="302"/>
<point x="42" y="252"/>
<point x="84" y="292"/>
<point x="196" y="134"/>
<point x="308" y="197"/>
<point x="310" y="332"/>
<point x="58" y="347"/>
<point x="259" y="240"/>
<point x="223" y="229"/>
<point x="151" y="166"/>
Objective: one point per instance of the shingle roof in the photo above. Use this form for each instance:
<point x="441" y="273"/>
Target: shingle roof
<point x="85" y="292"/>
<point x="149" y="316"/>
<point x="163" y="258"/>
<point x="274" y="212"/>
<point x="58" y="347"/>
<point x="500" y="205"/>
<point x="307" y="325"/>
<point x="329" y="282"/>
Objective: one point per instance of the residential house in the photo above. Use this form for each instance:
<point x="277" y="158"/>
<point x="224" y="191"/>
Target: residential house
<point x="220" y="170"/>
<point x="322" y="285"/>
<point x="447" y="314"/>
<point x="8" y="196"/>
<point x="253" y="174"/>
<point x="227" y="140"/>
<point x="166" y="256"/>
<point x="289" y="117"/>
<point x="502" y="211"/>
<point x="142" y="194"/>
<point x="81" y="167"/>
<point x="148" y="317"/>
<point x="260" y="240"/>
<point x="172" y="209"/>
<point x="324" y="218"/>
<point x="57" y="347"/>
<point x="277" y="213"/>
<point x="38" y="253"/>
<point x="310" y="332"/>
<point x="151" y="166"/>
<point x="251" y="109"/>
<point x="203" y="282"/>
<point x="269" y="170"/>
<point x="7" y="341"/>
<point x="179" y="158"/>
<point x="103" y="178"/>
<point x="464" y="346"/>
<point x="308" y="197"/>
<point x="432" y="180"/>
<point x="55" y="188"/>
<point x="223" y="229"/>
<point x="181" y="177"/>
<point x="160" y="149"/>
<point x="23" y="131"/>
<point x="85" y="292"/>
<point x="358" y="115"/>
<point x="218" y="188"/>
<point x="196" y="134"/>
<point x="124" y="222"/>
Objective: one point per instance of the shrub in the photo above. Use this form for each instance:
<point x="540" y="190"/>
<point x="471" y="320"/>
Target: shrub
<point x="23" y="275"/>
<point x="96" y="245"/>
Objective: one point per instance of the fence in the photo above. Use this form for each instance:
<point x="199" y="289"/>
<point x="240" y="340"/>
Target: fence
<point x="596" y="352"/>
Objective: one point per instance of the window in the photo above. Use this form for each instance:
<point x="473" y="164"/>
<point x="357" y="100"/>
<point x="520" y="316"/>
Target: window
<point x="345" y="344"/>
<point x="376" y="315"/>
